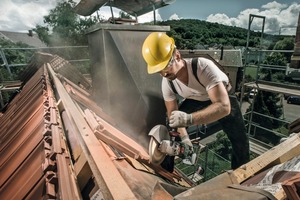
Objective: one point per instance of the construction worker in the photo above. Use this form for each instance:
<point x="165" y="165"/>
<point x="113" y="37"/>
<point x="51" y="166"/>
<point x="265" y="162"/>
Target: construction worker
<point x="206" y="100"/>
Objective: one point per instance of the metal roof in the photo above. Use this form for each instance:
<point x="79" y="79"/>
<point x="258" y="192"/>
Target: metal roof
<point x="132" y="7"/>
<point x="27" y="38"/>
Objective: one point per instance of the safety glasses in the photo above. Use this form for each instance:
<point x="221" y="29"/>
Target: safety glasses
<point x="170" y="63"/>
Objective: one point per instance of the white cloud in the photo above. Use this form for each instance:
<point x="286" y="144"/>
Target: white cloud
<point x="277" y="17"/>
<point x="174" y="17"/>
<point x="274" y="5"/>
<point x="221" y="18"/>
<point x="21" y="15"/>
<point x="105" y="12"/>
<point x="149" y="17"/>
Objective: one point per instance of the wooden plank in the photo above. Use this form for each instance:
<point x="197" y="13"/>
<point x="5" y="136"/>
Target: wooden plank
<point x="279" y="154"/>
<point x="105" y="172"/>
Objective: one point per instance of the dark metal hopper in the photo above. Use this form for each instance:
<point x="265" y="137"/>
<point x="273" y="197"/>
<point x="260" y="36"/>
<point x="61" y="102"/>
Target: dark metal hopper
<point x="121" y="84"/>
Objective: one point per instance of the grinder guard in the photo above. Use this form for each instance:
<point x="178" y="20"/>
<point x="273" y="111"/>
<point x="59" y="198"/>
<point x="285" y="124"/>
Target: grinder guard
<point x="158" y="133"/>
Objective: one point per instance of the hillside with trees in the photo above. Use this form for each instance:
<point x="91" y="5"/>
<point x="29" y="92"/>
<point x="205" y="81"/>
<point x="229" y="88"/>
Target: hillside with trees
<point x="195" y="34"/>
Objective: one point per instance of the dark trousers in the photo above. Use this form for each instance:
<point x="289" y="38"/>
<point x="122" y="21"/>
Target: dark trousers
<point x="233" y="125"/>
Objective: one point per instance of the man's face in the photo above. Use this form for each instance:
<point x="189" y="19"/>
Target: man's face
<point x="168" y="71"/>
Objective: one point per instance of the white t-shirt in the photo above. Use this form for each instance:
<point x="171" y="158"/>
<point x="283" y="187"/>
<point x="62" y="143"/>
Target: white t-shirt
<point x="209" y="75"/>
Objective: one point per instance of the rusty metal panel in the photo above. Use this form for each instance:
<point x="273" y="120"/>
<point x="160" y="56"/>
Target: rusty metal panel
<point x="37" y="192"/>
<point x="21" y="119"/>
<point x="25" y="177"/>
<point x="104" y="172"/>
<point x="20" y="102"/>
<point x="64" y="68"/>
<point x="34" y="159"/>
<point x="121" y="84"/>
<point x="12" y="156"/>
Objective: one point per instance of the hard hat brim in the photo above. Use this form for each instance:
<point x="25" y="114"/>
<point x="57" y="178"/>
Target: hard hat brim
<point x="157" y="68"/>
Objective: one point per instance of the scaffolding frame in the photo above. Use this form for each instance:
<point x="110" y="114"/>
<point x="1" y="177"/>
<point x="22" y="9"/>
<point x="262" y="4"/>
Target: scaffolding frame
<point x="259" y="85"/>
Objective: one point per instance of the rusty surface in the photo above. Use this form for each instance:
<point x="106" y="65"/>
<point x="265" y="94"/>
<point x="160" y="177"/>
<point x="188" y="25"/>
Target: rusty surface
<point x="71" y="135"/>
<point x="34" y="161"/>
<point x="83" y="97"/>
<point x="291" y="187"/>
<point x="10" y="86"/>
<point x="65" y="69"/>
<point x="106" y="175"/>
<point x="44" y="136"/>
<point x="112" y="136"/>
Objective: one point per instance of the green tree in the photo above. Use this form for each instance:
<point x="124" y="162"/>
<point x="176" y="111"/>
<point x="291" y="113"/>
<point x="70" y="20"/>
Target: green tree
<point x="286" y="43"/>
<point x="64" y="27"/>
<point x="258" y="120"/>
<point x="223" y="146"/>
<point x="276" y="59"/>
<point x="124" y="15"/>
<point x="13" y="56"/>
<point x="209" y="34"/>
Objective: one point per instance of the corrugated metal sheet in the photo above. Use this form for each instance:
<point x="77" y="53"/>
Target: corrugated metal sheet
<point x="33" y="156"/>
<point x="32" y="40"/>
<point x="57" y="147"/>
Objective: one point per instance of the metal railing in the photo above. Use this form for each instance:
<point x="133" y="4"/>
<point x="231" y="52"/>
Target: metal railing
<point x="64" y="51"/>
<point x="211" y="164"/>
<point x="13" y="59"/>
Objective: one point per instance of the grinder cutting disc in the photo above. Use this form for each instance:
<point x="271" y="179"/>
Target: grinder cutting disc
<point x="158" y="134"/>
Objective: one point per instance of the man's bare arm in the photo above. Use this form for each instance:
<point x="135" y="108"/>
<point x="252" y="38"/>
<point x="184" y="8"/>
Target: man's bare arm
<point x="219" y="108"/>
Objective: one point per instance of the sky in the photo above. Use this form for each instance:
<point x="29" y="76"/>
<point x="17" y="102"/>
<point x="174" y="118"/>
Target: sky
<point x="281" y="16"/>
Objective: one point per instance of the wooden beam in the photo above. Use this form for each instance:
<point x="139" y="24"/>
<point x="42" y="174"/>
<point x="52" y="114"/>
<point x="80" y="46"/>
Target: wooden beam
<point x="277" y="155"/>
<point x="105" y="172"/>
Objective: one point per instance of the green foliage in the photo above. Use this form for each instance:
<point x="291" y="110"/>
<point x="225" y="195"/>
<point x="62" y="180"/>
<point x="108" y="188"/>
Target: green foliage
<point x="266" y="103"/>
<point x="64" y="27"/>
<point x="276" y="58"/>
<point x="273" y="74"/>
<point x="14" y="56"/>
<point x="193" y="31"/>
<point x="286" y="43"/>
<point x="124" y="15"/>
<point x="222" y="146"/>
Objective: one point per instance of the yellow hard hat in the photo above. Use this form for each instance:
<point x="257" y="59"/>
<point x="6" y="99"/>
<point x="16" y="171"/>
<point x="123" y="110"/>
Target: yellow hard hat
<point x="157" y="51"/>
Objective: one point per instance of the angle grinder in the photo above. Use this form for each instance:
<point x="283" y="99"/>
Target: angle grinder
<point x="163" y="143"/>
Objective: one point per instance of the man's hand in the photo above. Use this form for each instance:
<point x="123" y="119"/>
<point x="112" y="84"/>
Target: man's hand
<point x="180" y="119"/>
<point x="186" y="140"/>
